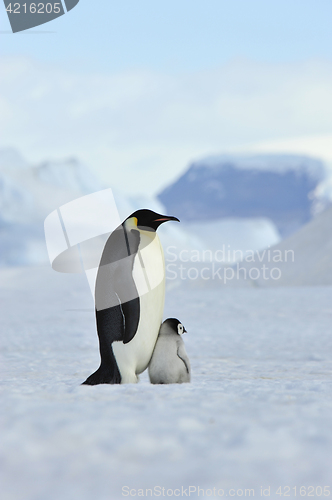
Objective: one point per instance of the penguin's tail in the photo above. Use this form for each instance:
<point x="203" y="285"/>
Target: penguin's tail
<point x="106" y="374"/>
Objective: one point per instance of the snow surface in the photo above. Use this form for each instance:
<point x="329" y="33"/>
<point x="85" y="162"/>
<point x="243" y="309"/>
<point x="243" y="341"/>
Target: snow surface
<point x="257" y="413"/>
<point x="311" y="261"/>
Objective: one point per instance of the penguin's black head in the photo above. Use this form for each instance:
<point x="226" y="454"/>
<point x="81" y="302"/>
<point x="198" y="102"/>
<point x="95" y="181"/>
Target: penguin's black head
<point x="175" y="325"/>
<point x="149" y="220"/>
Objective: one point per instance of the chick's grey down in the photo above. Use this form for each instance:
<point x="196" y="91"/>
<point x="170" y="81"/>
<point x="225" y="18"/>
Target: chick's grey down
<point x="170" y="363"/>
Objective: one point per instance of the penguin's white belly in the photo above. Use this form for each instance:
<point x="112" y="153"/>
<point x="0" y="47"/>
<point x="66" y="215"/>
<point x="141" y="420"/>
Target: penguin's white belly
<point x="149" y="276"/>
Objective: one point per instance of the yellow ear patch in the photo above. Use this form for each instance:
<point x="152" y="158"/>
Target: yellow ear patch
<point x="131" y="223"/>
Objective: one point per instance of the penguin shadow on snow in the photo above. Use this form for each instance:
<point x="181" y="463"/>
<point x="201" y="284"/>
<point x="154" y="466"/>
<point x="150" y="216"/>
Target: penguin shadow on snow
<point x="170" y="363"/>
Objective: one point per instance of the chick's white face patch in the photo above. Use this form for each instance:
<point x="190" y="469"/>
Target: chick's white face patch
<point x="180" y="329"/>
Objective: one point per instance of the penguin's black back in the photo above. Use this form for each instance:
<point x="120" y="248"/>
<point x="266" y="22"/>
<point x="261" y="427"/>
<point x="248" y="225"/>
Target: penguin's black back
<point x="117" y="301"/>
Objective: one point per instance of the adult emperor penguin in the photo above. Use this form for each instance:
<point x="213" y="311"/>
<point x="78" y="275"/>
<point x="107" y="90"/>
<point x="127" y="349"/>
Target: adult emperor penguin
<point x="129" y="298"/>
<point x="170" y="363"/>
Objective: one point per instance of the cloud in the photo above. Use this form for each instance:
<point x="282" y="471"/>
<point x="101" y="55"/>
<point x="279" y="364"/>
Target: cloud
<point x="139" y="128"/>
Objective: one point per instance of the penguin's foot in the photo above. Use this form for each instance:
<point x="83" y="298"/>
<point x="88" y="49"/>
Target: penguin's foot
<point x="103" y="375"/>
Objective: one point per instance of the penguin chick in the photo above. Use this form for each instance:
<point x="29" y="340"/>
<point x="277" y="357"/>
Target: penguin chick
<point x="170" y="363"/>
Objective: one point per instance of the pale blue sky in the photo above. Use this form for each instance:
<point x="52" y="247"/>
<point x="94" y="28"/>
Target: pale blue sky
<point x="177" y="35"/>
<point x="137" y="89"/>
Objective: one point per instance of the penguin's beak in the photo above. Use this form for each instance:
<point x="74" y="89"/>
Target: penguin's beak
<point x="167" y="218"/>
<point x="184" y="330"/>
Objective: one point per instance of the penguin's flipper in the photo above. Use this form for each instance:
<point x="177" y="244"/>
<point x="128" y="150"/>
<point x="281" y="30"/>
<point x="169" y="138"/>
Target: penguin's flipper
<point x="181" y="352"/>
<point x="131" y="313"/>
<point x="125" y="288"/>
<point x="115" y="287"/>
<point x="116" y="300"/>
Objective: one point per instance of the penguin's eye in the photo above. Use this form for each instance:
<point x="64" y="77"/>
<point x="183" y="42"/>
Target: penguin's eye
<point x="180" y="328"/>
